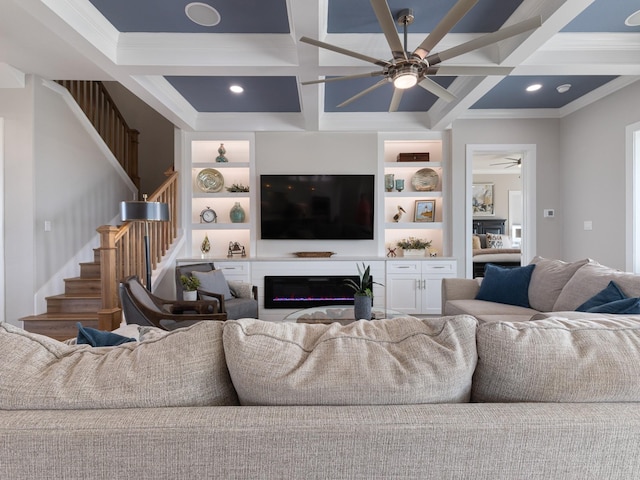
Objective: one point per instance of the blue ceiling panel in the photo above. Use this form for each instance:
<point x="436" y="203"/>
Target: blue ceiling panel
<point x="511" y="91"/>
<point x="605" y="16"/>
<point x="415" y="99"/>
<point x="169" y="16"/>
<point x="357" y="16"/>
<point x="261" y="94"/>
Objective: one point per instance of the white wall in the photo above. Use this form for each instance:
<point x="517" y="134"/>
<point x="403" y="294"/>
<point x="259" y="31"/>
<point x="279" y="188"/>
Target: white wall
<point x="54" y="171"/>
<point x="593" y="177"/>
<point x="316" y="152"/>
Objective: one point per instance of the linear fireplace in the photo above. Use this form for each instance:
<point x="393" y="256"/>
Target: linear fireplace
<point x="307" y="291"/>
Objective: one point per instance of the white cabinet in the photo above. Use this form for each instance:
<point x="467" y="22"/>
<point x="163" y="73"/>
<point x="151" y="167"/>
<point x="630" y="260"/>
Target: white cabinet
<point x="414" y="286"/>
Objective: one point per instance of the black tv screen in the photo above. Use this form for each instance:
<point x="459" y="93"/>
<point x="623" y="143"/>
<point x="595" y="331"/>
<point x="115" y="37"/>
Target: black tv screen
<point x="316" y="207"/>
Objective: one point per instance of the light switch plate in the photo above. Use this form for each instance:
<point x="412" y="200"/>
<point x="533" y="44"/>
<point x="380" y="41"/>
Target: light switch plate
<point x="549" y="213"/>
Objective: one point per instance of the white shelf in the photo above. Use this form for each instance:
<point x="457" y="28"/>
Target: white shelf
<point x="413" y="225"/>
<point x="221" y="165"/>
<point x="413" y="165"/>
<point x="221" y="195"/>
<point x="413" y="193"/>
<point x="220" y="226"/>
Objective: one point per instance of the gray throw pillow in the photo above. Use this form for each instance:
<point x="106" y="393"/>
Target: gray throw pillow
<point x="214" y="282"/>
<point x="548" y="279"/>
<point x="383" y="362"/>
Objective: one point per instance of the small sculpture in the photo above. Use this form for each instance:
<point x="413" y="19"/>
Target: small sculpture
<point x="236" y="249"/>
<point x="391" y="252"/>
<point x="221" y="151"/>
<point x="205" y="247"/>
<point x="398" y="215"/>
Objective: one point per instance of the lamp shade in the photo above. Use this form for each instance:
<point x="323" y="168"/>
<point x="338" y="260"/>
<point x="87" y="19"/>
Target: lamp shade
<point x="144" y="211"/>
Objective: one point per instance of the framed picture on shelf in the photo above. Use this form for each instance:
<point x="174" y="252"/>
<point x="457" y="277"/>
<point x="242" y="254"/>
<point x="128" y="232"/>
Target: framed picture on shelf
<point x="482" y="200"/>
<point x="425" y="211"/>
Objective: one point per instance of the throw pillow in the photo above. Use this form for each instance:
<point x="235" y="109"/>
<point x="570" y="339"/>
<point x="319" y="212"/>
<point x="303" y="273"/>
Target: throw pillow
<point x="214" y="282"/>
<point x="494" y="241"/>
<point x="379" y="362"/>
<point x="589" y="280"/>
<point x="185" y="367"/>
<point x="506" y="285"/>
<point x="628" y="306"/>
<point x="606" y="295"/>
<point x="240" y="289"/>
<point x="99" y="338"/>
<point x="548" y="279"/>
<point x="558" y="360"/>
<point x="475" y="242"/>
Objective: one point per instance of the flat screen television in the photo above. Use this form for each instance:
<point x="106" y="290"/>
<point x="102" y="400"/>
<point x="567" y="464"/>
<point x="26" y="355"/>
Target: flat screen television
<point x="317" y="207"/>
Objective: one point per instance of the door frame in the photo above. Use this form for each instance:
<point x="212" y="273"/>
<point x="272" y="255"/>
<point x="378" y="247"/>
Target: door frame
<point x="528" y="173"/>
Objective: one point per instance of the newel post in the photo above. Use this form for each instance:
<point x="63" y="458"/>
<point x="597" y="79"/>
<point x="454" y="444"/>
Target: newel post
<point x="110" y="316"/>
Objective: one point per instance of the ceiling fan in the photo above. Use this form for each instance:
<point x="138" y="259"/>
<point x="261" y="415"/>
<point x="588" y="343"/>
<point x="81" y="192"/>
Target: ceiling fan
<point x="512" y="162"/>
<point x="406" y="69"/>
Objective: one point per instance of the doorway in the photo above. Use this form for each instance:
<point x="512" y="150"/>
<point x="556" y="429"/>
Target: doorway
<point x="525" y="162"/>
<point x="632" y="154"/>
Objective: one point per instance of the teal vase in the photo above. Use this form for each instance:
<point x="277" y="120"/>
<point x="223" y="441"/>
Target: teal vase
<point x="237" y="213"/>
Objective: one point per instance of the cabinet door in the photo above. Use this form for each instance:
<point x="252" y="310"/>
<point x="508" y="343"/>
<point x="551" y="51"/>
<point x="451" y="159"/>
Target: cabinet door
<point x="403" y="293"/>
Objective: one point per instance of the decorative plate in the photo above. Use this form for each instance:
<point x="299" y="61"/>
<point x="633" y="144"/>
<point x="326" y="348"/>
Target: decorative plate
<point x="425" y="180"/>
<point x="210" y="180"/>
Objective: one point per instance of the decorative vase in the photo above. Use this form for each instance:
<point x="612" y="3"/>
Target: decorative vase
<point x="362" y="307"/>
<point x="412" y="252"/>
<point x="388" y="182"/>
<point x="205" y="247"/>
<point x="237" y="213"/>
<point x="190" y="295"/>
<point x="221" y="151"/>
<point x="399" y="184"/>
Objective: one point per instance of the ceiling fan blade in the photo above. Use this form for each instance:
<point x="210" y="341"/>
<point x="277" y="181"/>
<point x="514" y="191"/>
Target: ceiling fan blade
<point x="346" y="77"/>
<point x="438" y="90"/>
<point x="388" y="25"/>
<point x="485" y="40"/>
<point x="463" y="71"/>
<point x="454" y="15"/>
<point x="344" y="51"/>
<point x="363" y="92"/>
<point x="395" y="100"/>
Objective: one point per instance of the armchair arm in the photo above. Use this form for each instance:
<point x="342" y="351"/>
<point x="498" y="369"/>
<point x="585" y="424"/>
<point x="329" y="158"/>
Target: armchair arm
<point x="218" y="296"/>
<point x="198" y="306"/>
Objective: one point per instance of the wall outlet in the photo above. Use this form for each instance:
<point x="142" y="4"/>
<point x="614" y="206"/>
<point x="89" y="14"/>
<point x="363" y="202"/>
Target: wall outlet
<point x="549" y="213"/>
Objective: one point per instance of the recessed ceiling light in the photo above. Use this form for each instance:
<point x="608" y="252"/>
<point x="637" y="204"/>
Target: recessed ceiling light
<point x="534" y="88"/>
<point x="236" y="89"/>
<point x="633" y="20"/>
<point x="564" y="88"/>
<point x="202" y="14"/>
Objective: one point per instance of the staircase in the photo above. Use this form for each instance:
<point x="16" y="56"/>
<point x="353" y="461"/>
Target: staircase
<point x="80" y="302"/>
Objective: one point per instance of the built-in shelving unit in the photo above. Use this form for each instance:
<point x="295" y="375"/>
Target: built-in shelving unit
<point x="202" y="151"/>
<point x="408" y="226"/>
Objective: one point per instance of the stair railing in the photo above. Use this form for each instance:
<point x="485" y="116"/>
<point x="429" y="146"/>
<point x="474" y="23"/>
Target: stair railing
<point x="100" y="109"/>
<point x="122" y="250"/>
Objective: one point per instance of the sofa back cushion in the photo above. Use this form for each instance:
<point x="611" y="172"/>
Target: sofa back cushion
<point x="548" y="279"/>
<point x="591" y="279"/>
<point x="392" y="361"/>
<point x="558" y="360"/>
<point x="184" y="367"/>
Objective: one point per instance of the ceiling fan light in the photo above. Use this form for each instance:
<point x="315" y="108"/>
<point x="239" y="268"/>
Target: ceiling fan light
<point x="405" y="77"/>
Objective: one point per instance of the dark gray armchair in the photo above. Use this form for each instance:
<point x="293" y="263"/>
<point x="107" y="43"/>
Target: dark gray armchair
<point x="236" y="299"/>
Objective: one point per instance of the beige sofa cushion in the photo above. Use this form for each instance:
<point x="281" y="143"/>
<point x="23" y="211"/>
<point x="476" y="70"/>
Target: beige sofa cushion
<point x="185" y="367"/>
<point x="393" y="361"/>
<point x="558" y="360"/>
<point x="548" y="279"/>
<point x="591" y="279"/>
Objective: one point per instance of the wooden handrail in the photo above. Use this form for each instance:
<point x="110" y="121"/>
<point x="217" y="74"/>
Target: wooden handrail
<point x="100" y="109"/>
<point x="122" y="250"/>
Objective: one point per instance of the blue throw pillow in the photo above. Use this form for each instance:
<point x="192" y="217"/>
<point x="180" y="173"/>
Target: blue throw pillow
<point x="609" y="294"/>
<point x="629" y="306"/>
<point x="506" y="285"/>
<point x="100" y="338"/>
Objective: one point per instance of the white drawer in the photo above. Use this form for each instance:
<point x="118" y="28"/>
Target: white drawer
<point x="403" y="267"/>
<point x="236" y="268"/>
<point x="443" y="267"/>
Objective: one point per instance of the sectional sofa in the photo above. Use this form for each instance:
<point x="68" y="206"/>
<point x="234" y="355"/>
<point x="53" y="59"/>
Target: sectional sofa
<point x="544" y="288"/>
<point x="437" y="398"/>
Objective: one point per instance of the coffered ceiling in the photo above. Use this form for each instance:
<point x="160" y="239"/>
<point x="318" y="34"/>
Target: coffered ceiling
<point x="184" y="70"/>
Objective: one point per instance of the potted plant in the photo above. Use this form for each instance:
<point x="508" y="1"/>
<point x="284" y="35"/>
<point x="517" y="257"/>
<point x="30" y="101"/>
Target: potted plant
<point x="190" y="286"/>
<point x="413" y="247"/>
<point x="362" y="292"/>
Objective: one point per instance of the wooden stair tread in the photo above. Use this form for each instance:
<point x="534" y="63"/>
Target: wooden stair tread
<point x="56" y="317"/>
<point x="75" y="296"/>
